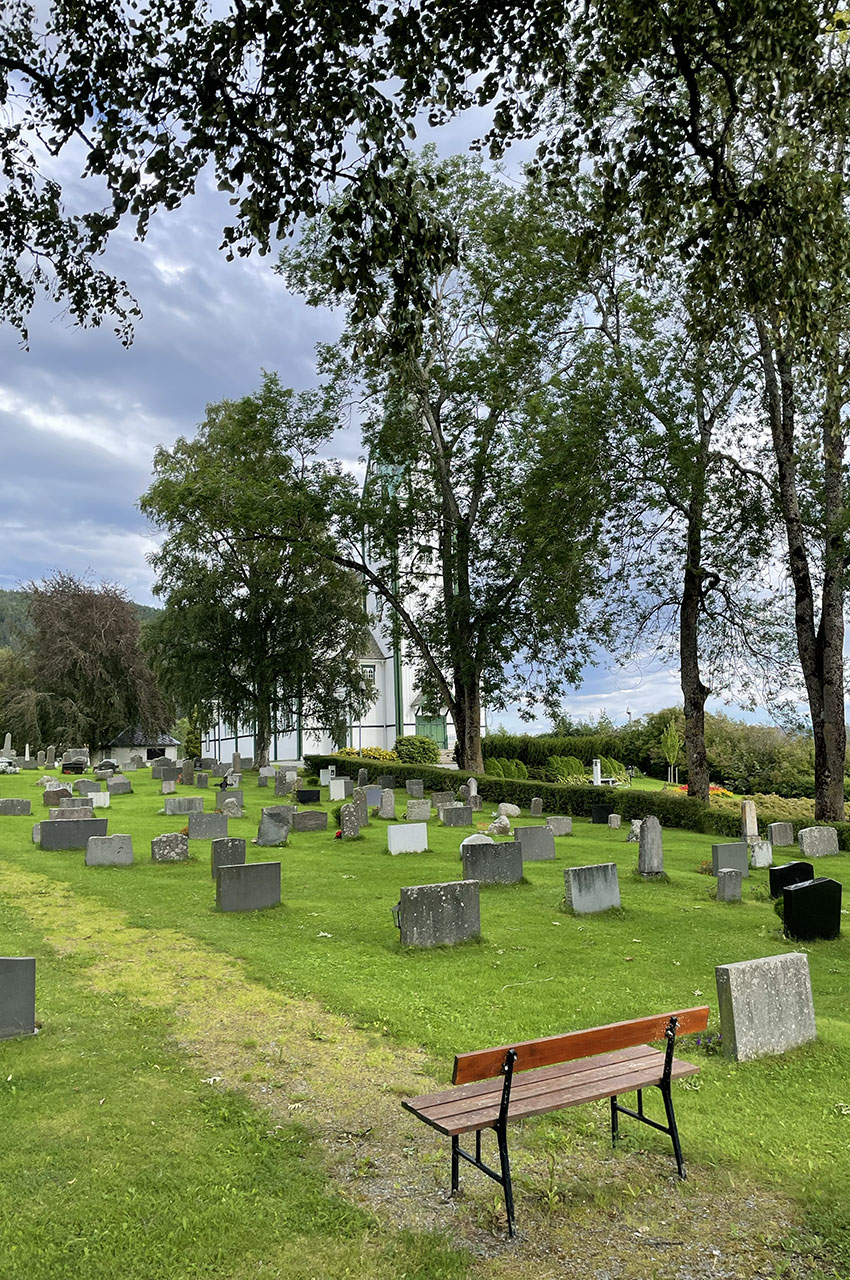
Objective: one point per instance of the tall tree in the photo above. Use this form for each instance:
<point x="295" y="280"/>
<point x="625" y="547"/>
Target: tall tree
<point x="255" y="627"/>
<point x="84" y="677"/>
<point x="485" y="503"/>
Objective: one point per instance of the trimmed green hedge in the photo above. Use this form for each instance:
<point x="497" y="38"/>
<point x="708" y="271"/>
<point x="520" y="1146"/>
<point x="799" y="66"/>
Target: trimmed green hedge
<point x="672" y="810"/>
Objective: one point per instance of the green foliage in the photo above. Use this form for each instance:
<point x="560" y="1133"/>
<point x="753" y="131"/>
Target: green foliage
<point x="416" y="750"/>
<point x="508" y="768"/>
<point x="671" y="743"/>
<point x="494" y="767"/>
<point x="520" y="770"/>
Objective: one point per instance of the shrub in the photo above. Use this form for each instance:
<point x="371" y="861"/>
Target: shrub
<point x="508" y="769"/>
<point x="367" y="753"/>
<point x="493" y="768"/>
<point x="520" y="770"/>
<point x="416" y="750"/>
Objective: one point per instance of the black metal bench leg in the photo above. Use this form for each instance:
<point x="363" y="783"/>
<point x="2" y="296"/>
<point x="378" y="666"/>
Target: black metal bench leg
<point x="455" y="1165"/>
<point x="674" y="1132"/>
<point x="615" y="1122"/>
<point x="502" y="1138"/>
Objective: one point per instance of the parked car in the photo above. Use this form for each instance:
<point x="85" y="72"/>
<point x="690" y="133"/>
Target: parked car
<point x="8" y="766"/>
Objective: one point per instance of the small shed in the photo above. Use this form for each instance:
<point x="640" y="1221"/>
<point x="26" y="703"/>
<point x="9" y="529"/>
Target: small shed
<point x="135" y="742"/>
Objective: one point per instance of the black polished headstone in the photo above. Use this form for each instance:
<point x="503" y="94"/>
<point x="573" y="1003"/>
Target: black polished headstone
<point x="812" y="909"/>
<point x="17" y="996"/>
<point x="788" y="873"/>
<point x="308" y="796"/>
<point x="599" y="814"/>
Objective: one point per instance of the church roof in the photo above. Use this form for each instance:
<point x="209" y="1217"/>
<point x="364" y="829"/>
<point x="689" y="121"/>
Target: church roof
<point x="136" y="737"/>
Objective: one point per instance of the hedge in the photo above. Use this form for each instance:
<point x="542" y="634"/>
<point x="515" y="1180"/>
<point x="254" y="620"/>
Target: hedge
<point x="672" y="810"/>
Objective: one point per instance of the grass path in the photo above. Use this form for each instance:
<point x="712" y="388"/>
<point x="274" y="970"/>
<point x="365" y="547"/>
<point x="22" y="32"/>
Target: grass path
<point x="582" y="1211"/>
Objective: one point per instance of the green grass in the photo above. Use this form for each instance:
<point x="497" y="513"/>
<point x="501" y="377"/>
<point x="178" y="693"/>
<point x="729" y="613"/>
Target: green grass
<point x="176" y="1164"/>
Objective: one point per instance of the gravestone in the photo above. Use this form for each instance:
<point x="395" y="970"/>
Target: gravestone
<point x="236" y="762"/>
<point x="308" y="795"/>
<point x="749" y="820"/>
<point x="418" y="810"/>
<point x="651" y="848"/>
<point x="110" y="851"/>
<point x="361" y="806"/>
<point x="536" y="809"/>
<point x="36" y="833"/>
<point x="138" y="761"/>
<point x="175" y="805"/>
<point x="596" y="770"/>
<point x="275" y="825"/>
<point x="103" y="775"/>
<point x="340" y="788"/>
<point x="40" y="759"/>
<point x="269" y="771"/>
<point x="220" y="770"/>
<point x="13" y="808"/>
<point x="538" y="843"/>
<point x="169" y="788"/>
<point x="208" y="762"/>
<point x="247" y="763"/>
<point x="788" y="873"/>
<point x="62" y="815"/>
<point x="439" y="915"/>
<point x="251" y="886"/>
<point x="202" y="781"/>
<point x="812" y="910"/>
<point x="729" y="881"/>
<point x="187" y="773"/>
<point x="463" y="794"/>
<point x="600" y="813"/>
<point x="500" y="826"/>
<point x="415" y="787"/>
<point x="291" y="775"/>
<point x="83" y="786"/>
<point x="231" y="807"/>
<point x="70" y="833"/>
<point x="362" y="777"/>
<point x="310" y="820"/>
<point x="765" y="1005"/>
<point x="780" y="834"/>
<point x="475" y="803"/>
<point x="591" y="889"/>
<point x="506" y="810"/>
<point x="410" y="837"/>
<point x="7" y="746"/>
<point x="17" y="996"/>
<point x="761" y="854"/>
<point x="373" y="796"/>
<point x="262" y="781"/>
<point x="478" y="838"/>
<point x="439" y="799"/>
<point x="734" y="856"/>
<point x="348" y="824"/>
<point x="172" y="847"/>
<point x="167" y="772"/>
<point x="120" y="787"/>
<point x="77" y="802"/>
<point x="614" y="821"/>
<point x="818" y="842"/>
<point x="228" y="852"/>
<point x="386" y="808"/>
<point x="325" y="776"/>
<point x="46" y="781"/>
<point x="99" y="799"/>
<point x="459" y="815"/>
<point x="386" y="782"/>
<point x="472" y="785"/>
<point x="236" y="794"/>
<point x="50" y="762"/>
<point x="491" y="863"/>
<point x="559" y="825"/>
<point x="634" y="831"/>
<point x="207" y="826"/>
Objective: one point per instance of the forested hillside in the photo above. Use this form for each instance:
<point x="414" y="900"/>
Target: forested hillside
<point x="13" y="616"/>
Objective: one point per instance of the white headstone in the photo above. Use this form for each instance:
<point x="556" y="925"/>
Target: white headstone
<point x="596" y="765"/>
<point x="408" y="837"/>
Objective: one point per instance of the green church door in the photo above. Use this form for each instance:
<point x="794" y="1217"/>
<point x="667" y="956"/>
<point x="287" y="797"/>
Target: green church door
<point x="433" y="727"/>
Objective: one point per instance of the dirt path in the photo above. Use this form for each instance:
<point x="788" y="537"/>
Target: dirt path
<point x="583" y="1212"/>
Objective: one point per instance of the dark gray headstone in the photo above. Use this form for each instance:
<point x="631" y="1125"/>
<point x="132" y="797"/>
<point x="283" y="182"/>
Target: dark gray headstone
<point x="386" y="780"/>
<point x="175" y="805"/>
<point x="459" y="815"/>
<point x="110" y="851"/>
<point x="387" y="806"/>
<point x="651" y="848"/>
<point x="119" y="787"/>
<point x="168" y="773"/>
<point x="492" y="863"/>
<point x="171" y="847"/>
<point x="220" y="770"/>
<point x="50" y="762"/>
<point x="591" y="889"/>
<point x="812" y="909"/>
<point x="262" y="780"/>
<point x="232" y="793"/>
<point x="71" y="833"/>
<point x="17" y="996"/>
<point x="252" y="886"/>
<point x="207" y="826"/>
<point x="439" y="915"/>
<point x="228" y="852"/>
<point x="275" y="825"/>
<point x="53" y="795"/>
<point x="780" y="834"/>
<point x="13" y="808"/>
<point x="415" y="787"/>
<point x="308" y="795"/>
<point x="361" y="806"/>
<point x="729" y="884"/>
<point x="310" y="820"/>
<point x="83" y="786"/>
<point x="362" y="777"/>
<point x="536" y="809"/>
<point x="202" y="781"/>
<point x="373" y="796"/>
<point x="538" y="843"/>
<point x="208" y="763"/>
<point x="439" y="799"/>
<point x="282" y="785"/>
<point x="733" y="856"/>
<point x="187" y="774"/>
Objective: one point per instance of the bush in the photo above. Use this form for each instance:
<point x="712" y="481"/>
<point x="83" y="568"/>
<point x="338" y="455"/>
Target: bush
<point x="493" y="768"/>
<point x="416" y="750"/>
<point x="368" y="753"/>
<point x="508" y="768"/>
<point x="520" y="770"/>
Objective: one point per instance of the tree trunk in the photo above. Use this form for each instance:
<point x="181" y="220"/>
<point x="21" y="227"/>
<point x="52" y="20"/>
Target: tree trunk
<point x="694" y="692"/>
<point x="820" y="642"/>
<point x="466" y="714"/>
<point x="262" y="737"/>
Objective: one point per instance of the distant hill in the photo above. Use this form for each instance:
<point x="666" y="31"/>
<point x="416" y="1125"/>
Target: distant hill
<point x="13" y="617"/>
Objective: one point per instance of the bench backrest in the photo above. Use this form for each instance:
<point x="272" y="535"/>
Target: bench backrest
<point x="484" y="1064"/>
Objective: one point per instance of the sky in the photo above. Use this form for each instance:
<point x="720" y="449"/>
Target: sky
<point x="81" y="415"/>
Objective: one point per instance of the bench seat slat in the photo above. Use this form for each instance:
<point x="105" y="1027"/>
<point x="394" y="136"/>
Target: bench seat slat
<point x="540" y="1097"/>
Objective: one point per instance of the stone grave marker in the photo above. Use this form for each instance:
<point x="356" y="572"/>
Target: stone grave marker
<point x="761" y="854"/>
<point x="472" y="785"/>
<point x="600" y="813"/>
<point x="308" y="795"/>
<point x="175" y="805"/>
<point x="373" y="796"/>
<point x="591" y="889"/>
<point x="234" y="793"/>
<point x="458" y="815"/>
<point x="500" y="826"/>
<point x="78" y="802"/>
<point x="168" y="772"/>
<point x="247" y="763"/>
<point x="119" y="787"/>
<point x="14" y="808"/>
<point x="50" y="762"/>
<point x="40" y="759"/>
<point x="36" y="833"/>
<point x="17" y="996"/>
<point x="202" y="781"/>
<point x="275" y="825"/>
<point x="7" y="746"/>
<point x="729" y="881"/>
<point x="171" y="847"/>
<point x="169" y="788"/>
<point x="559" y="825"/>
<point x="439" y="799"/>
<point x="99" y="799"/>
<point x="282" y="786"/>
<point x="536" y="809"/>
<point x="325" y="776"/>
<point x="227" y="852"/>
<point x="207" y="826"/>
<point x="231" y="806"/>
<point x="765" y="1005"/>
<point x="491" y="863"/>
<point x="262" y="781"/>
<point x="749" y="820"/>
<point x="208" y="762"/>
<point x="361" y="806"/>
<point x="818" y="842"/>
<point x="310" y="820"/>
<point x="780" y="834"/>
<point x="788" y="873"/>
<point x="463" y="794"/>
<point x="415" y="787"/>
<point x="53" y="795"/>
<point x="103" y="775"/>
<point x="386" y="808"/>
<point x="726" y="856"/>
<point x="236" y="762"/>
<point x="348" y="824"/>
<point x="110" y="851"/>
<point x="439" y="915"/>
<point x="70" y="833"/>
<point x="651" y="848"/>
<point x="251" y="886"/>
<point x="340" y="788"/>
<point x="408" y="837"/>
<point x="386" y="782"/>
<point x="82" y="786"/>
<point x="62" y="814"/>
<point x="812" y="909"/>
<point x="362" y="777"/>
<point x="187" y="774"/>
<point x="418" y="810"/>
<point x="220" y="770"/>
<point x="614" y="821"/>
<point x="269" y="771"/>
<point x="507" y="810"/>
<point x="634" y="831"/>
<point x="538" y="843"/>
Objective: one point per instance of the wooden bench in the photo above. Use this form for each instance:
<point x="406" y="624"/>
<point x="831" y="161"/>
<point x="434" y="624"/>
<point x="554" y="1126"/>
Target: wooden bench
<point x="560" y="1071"/>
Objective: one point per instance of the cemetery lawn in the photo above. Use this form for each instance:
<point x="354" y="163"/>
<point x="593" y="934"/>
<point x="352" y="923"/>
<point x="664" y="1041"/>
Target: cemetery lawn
<point x="218" y="1094"/>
